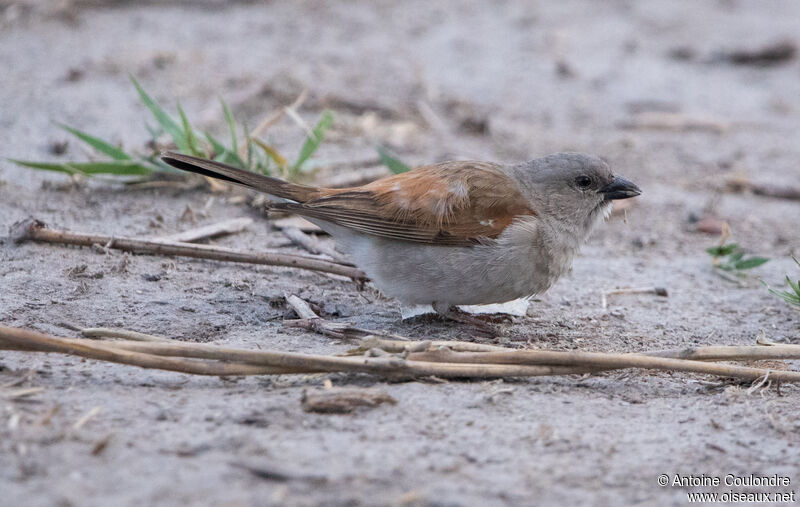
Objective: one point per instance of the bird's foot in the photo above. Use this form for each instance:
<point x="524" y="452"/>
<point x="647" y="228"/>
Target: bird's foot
<point x="484" y="324"/>
<point x="491" y="318"/>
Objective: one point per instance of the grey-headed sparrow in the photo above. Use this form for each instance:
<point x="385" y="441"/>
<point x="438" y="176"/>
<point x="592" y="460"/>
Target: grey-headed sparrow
<point x="454" y="233"/>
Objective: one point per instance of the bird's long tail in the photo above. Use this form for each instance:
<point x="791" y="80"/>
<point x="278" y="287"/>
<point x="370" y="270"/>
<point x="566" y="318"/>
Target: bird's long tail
<point x="224" y="172"/>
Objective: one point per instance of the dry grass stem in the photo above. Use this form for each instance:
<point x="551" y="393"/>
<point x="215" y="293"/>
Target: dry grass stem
<point x="311" y="244"/>
<point x="35" y="230"/>
<point x="658" y="291"/>
<point x="223" y="228"/>
<point x="24" y="392"/>
<point x="740" y="184"/>
<point x="91" y="414"/>
<point x="659" y="120"/>
<point x="401" y="346"/>
<point x="342" y="401"/>
<point x="301" y="308"/>
<point x="296" y="222"/>
<point x="271" y="120"/>
<point x="340" y="330"/>
<point x="439" y="362"/>
<point x="600" y="361"/>
<point x="123" y="334"/>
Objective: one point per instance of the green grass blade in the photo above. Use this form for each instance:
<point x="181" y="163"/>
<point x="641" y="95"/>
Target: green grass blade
<point x="223" y="154"/>
<point x="752" y="262"/>
<point x="735" y="257"/>
<point x="790" y="298"/>
<point x="261" y="163"/>
<point x="249" y="148"/>
<point x="231" y="125"/>
<point x="795" y="286"/>
<point x="312" y="142"/>
<point x="394" y="164"/>
<point x="723" y="250"/>
<point x="191" y="139"/>
<point x="217" y="146"/>
<point x="164" y="120"/>
<point x="117" y="167"/>
<point x="98" y="144"/>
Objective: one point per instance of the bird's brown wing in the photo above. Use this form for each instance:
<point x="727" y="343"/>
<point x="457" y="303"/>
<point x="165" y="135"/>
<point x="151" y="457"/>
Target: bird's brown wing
<point x="452" y="203"/>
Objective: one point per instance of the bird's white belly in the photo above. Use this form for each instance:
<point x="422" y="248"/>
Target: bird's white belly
<point x="520" y="263"/>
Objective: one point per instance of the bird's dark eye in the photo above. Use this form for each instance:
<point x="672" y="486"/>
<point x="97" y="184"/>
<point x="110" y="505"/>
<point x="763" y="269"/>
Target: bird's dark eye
<point x="583" y="181"/>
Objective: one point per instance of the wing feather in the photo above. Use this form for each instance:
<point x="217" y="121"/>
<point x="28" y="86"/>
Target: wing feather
<point x="452" y="203"/>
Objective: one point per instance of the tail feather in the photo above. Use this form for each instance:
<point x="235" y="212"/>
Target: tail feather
<point x="224" y="172"/>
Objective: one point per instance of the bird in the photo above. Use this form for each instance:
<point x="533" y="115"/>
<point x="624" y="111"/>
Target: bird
<point x="457" y="232"/>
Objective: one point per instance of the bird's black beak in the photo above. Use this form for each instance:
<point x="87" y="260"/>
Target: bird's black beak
<point x="620" y="188"/>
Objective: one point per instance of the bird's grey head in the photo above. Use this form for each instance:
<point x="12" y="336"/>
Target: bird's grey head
<point x="574" y="189"/>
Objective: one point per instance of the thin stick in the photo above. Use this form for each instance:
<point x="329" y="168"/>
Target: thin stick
<point x="105" y="332"/>
<point x="272" y="119"/>
<point x="301" y="308"/>
<point x="21" y="393"/>
<point x="601" y="360"/>
<point x="310" y="244"/>
<point x="657" y="120"/>
<point x="739" y="184"/>
<point x="258" y="362"/>
<point x="26" y="340"/>
<point x="398" y="346"/>
<point x="35" y="230"/>
<point x="80" y="423"/>
<point x="223" y="228"/>
<point x="658" y="291"/>
<point x="297" y="222"/>
<point x="731" y="353"/>
<point x="441" y="363"/>
<point x="340" y="330"/>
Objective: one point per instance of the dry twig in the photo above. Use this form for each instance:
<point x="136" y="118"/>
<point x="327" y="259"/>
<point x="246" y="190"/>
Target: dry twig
<point x="658" y="291"/>
<point x="342" y="401"/>
<point x="124" y="334"/>
<point x="35" y="230"/>
<point x="296" y="222"/>
<point x="442" y="362"/>
<point x="340" y="330"/>
<point x="658" y="120"/>
<point x="311" y="244"/>
<point x="225" y="227"/>
<point x="271" y="120"/>
<point x="24" y="392"/>
<point x="741" y="184"/>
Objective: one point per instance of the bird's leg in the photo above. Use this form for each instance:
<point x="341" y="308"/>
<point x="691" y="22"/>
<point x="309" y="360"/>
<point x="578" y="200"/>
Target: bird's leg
<point x="453" y="313"/>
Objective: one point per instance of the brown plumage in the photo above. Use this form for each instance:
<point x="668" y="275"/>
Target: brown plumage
<point x="451" y="203"/>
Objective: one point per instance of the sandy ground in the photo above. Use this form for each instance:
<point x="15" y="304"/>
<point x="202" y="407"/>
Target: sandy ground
<point x="536" y="78"/>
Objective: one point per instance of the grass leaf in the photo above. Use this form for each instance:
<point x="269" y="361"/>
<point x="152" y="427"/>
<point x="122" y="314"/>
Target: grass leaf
<point x="272" y="153"/>
<point x="191" y="139"/>
<point x="312" y="142"/>
<point x="231" y="125"/>
<point x="98" y="144"/>
<point x="164" y="120"/>
<point x="787" y="296"/>
<point x="118" y="167"/>
<point x="736" y="256"/>
<point x="223" y="154"/>
<point x="752" y="262"/>
<point x="722" y="250"/>
<point x="249" y="147"/>
<point x="795" y="286"/>
<point x="394" y="164"/>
